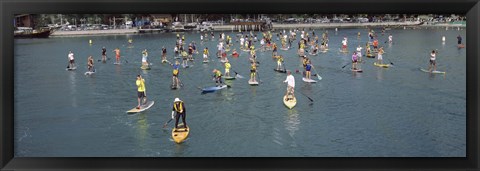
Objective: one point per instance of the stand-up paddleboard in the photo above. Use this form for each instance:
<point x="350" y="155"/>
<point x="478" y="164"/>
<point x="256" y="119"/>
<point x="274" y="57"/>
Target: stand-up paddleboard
<point x="180" y="134"/>
<point x="356" y="70"/>
<point x="142" y="107"/>
<point x="212" y="89"/>
<point x="381" y="65"/>
<point x="253" y="83"/>
<point x="291" y="102"/>
<point x="280" y="70"/>
<point x="145" y="67"/>
<point x="229" y="78"/>
<point x="164" y="61"/>
<point x="205" y="61"/>
<point x="235" y="55"/>
<point x="117" y="63"/>
<point x="174" y="87"/>
<point x="284" y="48"/>
<point x="308" y="80"/>
<point x="223" y="61"/>
<point x="343" y="51"/>
<point x="177" y="57"/>
<point x="433" y="72"/>
<point x="370" y="55"/>
<point x="460" y="46"/>
<point x="313" y="54"/>
<point x="71" y="69"/>
<point x="89" y="72"/>
<point x="186" y="66"/>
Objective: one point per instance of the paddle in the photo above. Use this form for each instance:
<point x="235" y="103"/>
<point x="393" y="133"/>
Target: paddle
<point x="318" y="76"/>
<point x="165" y="125"/>
<point x="237" y="75"/>
<point x="259" y="77"/>
<point x="345" y="65"/>
<point x="306" y="96"/>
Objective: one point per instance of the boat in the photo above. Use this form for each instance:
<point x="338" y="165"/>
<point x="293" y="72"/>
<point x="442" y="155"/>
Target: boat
<point x="177" y="27"/>
<point x="28" y="32"/>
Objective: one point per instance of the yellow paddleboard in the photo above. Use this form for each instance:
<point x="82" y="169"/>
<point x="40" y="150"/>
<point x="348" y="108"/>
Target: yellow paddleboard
<point x="290" y="103"/>
<point x="381" y="65"/>
<point x="180" y="134"/>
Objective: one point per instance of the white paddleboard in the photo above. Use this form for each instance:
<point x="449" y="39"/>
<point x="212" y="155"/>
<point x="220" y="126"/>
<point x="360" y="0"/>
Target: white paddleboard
<point x="308" y="80"/>
<point x="253" y="83"/>
<point x="433" y="72"/>
<point x="89" y="73"/>
<point x="142" y="107"/>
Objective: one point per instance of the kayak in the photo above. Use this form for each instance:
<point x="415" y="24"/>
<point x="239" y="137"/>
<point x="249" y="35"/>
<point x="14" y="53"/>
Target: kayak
<point x="291" y="102"/>
<point x="281" y="71"/>
<point x="229" y="78"/>
<point x="212" y="89"/>
<point x="180" y="134"/>
<point x="308" y="80"/>
<point x="356" y="70"/>
<point x="433" y="72"/>
<point x="381" y="65"/>
<point x="253" y="83"/>
<point x="142" y="107"/>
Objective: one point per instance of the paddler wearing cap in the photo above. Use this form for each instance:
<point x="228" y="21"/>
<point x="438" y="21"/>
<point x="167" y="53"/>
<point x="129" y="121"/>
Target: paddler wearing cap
<point x="179" y="108"/>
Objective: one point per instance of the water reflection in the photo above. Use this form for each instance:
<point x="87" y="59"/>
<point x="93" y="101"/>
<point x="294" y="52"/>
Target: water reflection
<point x="142" y="128"/>
<point x="73" y="88"/>
<point x="292" y="122"/>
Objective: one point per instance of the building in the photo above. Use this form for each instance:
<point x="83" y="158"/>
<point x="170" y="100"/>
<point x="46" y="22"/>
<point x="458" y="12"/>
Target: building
<point x="163" y="18"/>
<point x="24" y="20"/>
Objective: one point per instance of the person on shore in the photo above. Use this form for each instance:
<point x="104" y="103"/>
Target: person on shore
<point x="354" y="61"/>
<point x="217" y="75"/>
<point x="175" y="72"/>
<point x="433" y="64"/>
<point x="379" y="56"/>
<point x="179" y="108"/>
<point x="359" y="53"/>
<point x="164" y="53"/>
<point x="117" y="55"/>
<point x="253" y="71"/>
<point x="90" y="64"/>
<point x="141" y="91"/>
<point x="290" y="80"/>
<point x="205" y="54"/>
<point x="104" y="55"/>
<point x="71" y="60"/>
<point x="144" y="58"/>
<point x="227" y="68"/>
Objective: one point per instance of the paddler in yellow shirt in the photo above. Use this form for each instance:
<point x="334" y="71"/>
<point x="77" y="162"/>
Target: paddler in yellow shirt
<point x="141" y="93"/>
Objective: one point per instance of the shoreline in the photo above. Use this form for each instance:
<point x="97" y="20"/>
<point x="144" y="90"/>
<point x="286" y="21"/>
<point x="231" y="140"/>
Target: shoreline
<point x="274" y="25"/>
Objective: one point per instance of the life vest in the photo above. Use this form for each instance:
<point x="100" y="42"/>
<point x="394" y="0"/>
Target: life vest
<point x="180" y="104"/>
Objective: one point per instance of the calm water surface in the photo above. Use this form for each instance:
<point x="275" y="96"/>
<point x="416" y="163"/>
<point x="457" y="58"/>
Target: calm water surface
<point x="395" y="112"/>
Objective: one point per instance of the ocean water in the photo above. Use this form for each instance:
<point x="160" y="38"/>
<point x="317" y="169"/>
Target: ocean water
<point x="383" y="112"/>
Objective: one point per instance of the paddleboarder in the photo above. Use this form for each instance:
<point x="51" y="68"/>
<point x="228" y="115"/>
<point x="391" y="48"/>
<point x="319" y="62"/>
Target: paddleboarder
<point x="90" y="63"/>
<point x="227" y="68"/>
<point x="141" y="91"/>
<point x="71" y="59"/>
<point x="290" y="85"/>
<point x="104" y="55"/>
<point x="179" y="108"/>
<point x="432" y="62"/>
<point x="218" y="77"/>
<point x="117" y="55"/>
